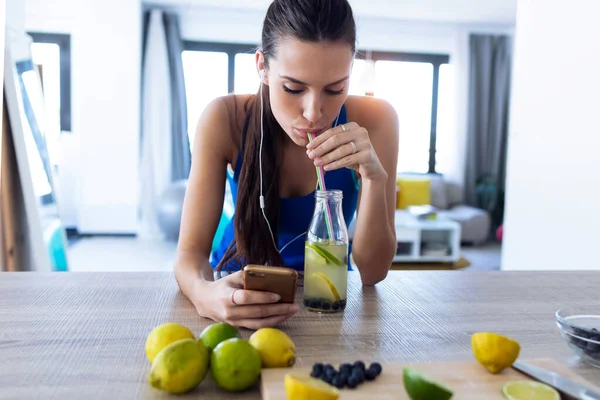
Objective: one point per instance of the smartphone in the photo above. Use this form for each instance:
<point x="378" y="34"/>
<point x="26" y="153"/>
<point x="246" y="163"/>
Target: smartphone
<point x="278" y="280"/>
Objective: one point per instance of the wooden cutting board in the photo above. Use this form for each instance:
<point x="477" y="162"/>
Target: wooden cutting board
<point x="469" y="380"/>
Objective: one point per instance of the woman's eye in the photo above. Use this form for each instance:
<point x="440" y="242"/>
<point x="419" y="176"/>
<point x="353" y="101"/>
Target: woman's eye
<point x="287" y="89"/>
<point x="335" y="92"/>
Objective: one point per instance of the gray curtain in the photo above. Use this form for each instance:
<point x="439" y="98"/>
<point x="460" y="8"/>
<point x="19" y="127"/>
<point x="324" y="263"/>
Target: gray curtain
<point x="179" y="126"/>
<point x="489" y="95"/>
<point x="180" y="145"/>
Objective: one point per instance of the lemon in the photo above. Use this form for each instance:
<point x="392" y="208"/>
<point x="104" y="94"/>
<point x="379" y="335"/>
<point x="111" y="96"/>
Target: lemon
<point x="493" y="351"/>
<point x="324" y="286"/>
<point x="303" y="387"/>
<point x="529" y="390"/>
<point x="235" y="364"/>
<point x="163" y="335"/>
<point x="420" y="386"/>
<point x="214" y="334"/>
<point x="275" y="347"/>
<point x="180" y="366"/>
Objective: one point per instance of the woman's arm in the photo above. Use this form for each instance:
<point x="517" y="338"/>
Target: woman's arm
<point x="224" y="299"/>
<point x="374" y="243"/>
<point x="368" y="144"/>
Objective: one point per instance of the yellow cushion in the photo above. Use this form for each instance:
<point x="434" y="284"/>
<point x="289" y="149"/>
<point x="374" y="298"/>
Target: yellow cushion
<point x="412" y="192"/>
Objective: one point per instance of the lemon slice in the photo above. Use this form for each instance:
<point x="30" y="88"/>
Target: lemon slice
<point x="329" y="258"/>
<point x="327" y="286"/>
<point x="529" y="390"/>
<point x="302" y="387"/>
<point x="420" y="386"/>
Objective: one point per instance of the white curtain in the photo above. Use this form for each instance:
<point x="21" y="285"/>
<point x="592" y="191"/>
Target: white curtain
<point x="156" y="163"/>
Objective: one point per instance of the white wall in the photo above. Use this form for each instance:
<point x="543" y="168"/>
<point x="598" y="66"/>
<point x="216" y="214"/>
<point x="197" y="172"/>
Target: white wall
<point x="105" y="101"/>
<point x="552" y="209"/>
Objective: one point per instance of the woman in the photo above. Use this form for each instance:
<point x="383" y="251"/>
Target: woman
<point x="305" y="61"/>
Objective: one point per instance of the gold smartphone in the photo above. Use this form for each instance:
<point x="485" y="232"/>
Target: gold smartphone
<point x="280" y="280"/>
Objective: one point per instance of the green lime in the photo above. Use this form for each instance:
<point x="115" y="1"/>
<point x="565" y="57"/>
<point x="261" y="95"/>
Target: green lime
<point x="235" y="365"/>
<point x="214" y="334"/>
<point x="419" y="386"/>
<point x="329" y="258"/>
<point x="180" y="366"/>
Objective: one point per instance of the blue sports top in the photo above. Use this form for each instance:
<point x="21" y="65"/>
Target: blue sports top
<point x="295" y="213"/>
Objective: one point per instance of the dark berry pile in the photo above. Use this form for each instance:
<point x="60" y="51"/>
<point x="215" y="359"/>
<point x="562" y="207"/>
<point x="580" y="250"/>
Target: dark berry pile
<point x="589" y="348"/>
<point x="349" y="375"/>
<point x="325" y="304"/>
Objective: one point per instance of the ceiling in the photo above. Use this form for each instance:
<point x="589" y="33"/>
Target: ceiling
<point x="455" y="11"/>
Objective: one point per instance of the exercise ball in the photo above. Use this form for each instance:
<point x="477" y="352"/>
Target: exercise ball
<point x="169" y="208"/>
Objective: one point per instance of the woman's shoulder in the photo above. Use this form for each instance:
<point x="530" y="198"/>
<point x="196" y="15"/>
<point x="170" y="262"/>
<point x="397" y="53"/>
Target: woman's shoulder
<point x="223" y="119"/>
<point x="372" y="113"/>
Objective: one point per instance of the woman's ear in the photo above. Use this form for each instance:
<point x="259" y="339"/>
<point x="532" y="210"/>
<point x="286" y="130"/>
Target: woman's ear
<point x="260" y="67"/>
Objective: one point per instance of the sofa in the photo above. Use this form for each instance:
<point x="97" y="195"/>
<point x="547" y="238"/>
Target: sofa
<point x="447" y="198"/>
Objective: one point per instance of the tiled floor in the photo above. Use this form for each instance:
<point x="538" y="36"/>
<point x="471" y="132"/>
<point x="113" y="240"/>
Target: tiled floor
<point x="134" y="254"/>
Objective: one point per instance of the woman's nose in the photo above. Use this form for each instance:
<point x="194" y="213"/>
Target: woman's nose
<point x="312" y="108"/>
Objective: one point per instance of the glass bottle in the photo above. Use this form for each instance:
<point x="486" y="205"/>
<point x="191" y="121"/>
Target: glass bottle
<point x="326" y="255"/>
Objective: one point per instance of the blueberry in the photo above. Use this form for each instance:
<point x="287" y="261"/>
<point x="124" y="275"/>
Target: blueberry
<point x="376" y="367"/>
<point x="593" y="347"/>
<point x="314" y="304"/>
<point x="337" y="382"/>
<point x="352" y="382"/>
<point x="370" y="374"/>
<point x="359" y="375"/>
<point x="346" y="368"/>
<point x="359" y="365"/>
<point x="306" y="302"/>
<point x="343" y="304"/>
<point x="326" y="305"/>
<point x="329" y="367"/>
<point x="335" y="305"/>
<point x="343" y="378"/>
<point x="317" y="369"/>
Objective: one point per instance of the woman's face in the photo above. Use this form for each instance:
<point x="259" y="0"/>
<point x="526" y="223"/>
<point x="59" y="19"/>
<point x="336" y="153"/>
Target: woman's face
<point x="308" y="84"/>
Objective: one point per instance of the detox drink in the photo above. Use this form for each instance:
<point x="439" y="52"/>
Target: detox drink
<point x="326" y="255"/>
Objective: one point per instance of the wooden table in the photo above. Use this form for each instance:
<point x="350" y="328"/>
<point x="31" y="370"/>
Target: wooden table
<point x="82" y="335"/>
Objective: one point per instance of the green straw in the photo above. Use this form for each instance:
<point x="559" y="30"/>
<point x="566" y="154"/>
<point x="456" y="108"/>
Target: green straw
<point x="321" y="182"/>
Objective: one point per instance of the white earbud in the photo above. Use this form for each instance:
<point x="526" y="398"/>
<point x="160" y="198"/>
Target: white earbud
<point x="262" y="74"/>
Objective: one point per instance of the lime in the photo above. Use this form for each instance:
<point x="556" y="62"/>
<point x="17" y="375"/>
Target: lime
<point x="493" y="351"/>
<point x="214" y="334"/>
<point x="302" y="387"/>
<point x="163" y="335"/>
<point x="235" y="365"/>
<point x="529" y="390"/>
<point x="180" y="366"/>
<point x="276" y="348"/>
<point x="329" y="258"/>
<point x="420" y="386"/>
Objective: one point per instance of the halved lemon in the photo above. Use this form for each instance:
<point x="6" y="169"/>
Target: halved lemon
<point x="303" y="387"/>
<point x="329" y="258"/>
<point x="325" y="286"/>
<point x="529" y="390"/>
<point x="494" y="351"/>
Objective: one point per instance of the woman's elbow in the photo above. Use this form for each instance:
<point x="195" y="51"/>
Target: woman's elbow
<point x="374" y="277"/>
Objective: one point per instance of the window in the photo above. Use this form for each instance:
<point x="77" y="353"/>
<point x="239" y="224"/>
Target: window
<point x="52" y="52"/>
<point x="419" y="87"/>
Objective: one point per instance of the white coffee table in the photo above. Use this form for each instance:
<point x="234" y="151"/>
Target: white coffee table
<point x="426" y="240"/>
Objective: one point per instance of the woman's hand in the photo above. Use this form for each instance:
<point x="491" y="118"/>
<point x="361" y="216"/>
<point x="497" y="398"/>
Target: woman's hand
<point x="349" y="146"/>
<point x="225" y="300"/>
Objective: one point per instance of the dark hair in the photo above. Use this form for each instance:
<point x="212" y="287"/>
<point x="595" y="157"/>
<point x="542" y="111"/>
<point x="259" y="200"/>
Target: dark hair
<point x="309" y="21"/>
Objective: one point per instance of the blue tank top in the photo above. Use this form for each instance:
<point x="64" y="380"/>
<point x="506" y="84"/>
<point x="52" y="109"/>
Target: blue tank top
<point x="295" y="213"/>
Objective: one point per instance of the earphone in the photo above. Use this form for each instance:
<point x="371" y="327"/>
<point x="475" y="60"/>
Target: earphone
<point x="261" y="197"/>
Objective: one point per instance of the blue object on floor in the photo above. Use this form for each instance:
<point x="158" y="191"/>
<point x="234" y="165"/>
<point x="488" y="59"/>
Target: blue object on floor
<point x="54" y="238"/>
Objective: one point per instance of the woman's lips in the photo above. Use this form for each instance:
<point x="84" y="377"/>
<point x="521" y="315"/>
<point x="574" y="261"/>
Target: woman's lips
<point x="305" y="132"/>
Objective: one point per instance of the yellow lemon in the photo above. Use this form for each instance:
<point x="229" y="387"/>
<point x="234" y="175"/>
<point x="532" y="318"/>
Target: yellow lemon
<point x="163" y="335"/>
<point x="302" y="387"/>
<point x="529" y="390"/>
<point x="325" y="287"/>
<point x="493" y="351"/>
<point x="276" y="348"/>
<point x="180" y="366"/>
